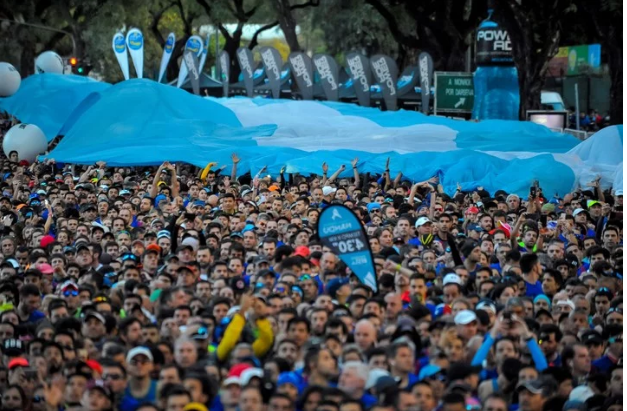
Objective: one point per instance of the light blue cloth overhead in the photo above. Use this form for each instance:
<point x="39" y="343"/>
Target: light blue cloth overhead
<point x="47" y="100"/>
<point x="142" y="122"/>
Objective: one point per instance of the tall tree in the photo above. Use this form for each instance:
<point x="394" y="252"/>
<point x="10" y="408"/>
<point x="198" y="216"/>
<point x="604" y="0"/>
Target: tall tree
<point x="535" y="29"/>
<point x="607" y="19"/>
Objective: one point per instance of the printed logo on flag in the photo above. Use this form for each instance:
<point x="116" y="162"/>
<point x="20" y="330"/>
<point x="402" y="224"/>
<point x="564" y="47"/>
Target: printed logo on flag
<point x="169" y="44"/>
<point x="135" y="41"/>
<point x="119" y="44"/>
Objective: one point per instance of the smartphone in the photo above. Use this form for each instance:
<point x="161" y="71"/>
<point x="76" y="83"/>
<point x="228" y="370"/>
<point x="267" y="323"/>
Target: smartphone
<point x="543" y="218"/>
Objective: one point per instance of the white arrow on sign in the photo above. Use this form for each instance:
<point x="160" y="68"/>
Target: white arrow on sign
<point x="461" y="101"/>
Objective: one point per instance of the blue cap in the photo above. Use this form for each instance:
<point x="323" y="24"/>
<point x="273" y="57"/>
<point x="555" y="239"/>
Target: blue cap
<point x="288" y="378"/>
<point x="334" y="285"/>
<point x="159" y="198"/>
<point x="475" y="227"/>
<point x="373" y="206"/>
<point x="199" y="203"/>
<point x="428" y="370"/>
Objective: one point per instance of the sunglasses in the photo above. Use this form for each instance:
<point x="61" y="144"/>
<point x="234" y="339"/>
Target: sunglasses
<point x="72" y="293"/>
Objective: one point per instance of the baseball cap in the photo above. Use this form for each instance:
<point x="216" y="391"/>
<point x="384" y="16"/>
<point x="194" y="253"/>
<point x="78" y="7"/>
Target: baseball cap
<point x="328" y="190"/>
<point x="475" y="227"/>
<point x="592" y="337"/>
<point x="486" y="305"/>
<point x="542" y="385"/>
<point x="249" y="374"/>
<point x="69" y="284"/>
<point x="580" y="393"/>
<point x="100" y="386"/>
<point x="465" y="317"/>
<point x="452" y="279"/>
<point x="373" y="206"/>
<point x="18" y="362"/>
<point x="96" y="315"/>
<point x="195" y="406"/>
<point x="566" y="302"/>
<point x="235" y="373"/>
<point x="428" y="370"/>
<point x="139" y="351"/>
<point x="422" y="221"/>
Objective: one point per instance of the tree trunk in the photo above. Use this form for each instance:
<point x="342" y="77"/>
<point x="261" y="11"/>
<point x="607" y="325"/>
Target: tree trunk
<point x="27" y="60"/>
<point x="287" y="23"/>
<point x="616" y="86"/>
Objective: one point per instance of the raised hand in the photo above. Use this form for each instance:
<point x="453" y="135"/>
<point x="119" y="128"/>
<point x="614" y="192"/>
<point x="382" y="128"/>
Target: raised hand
<point x="325" y="168"/>
<point x="387" y="164"/>
<point x="234" y="158"/>
<point x="342" y="167"/>
<point x="354" y="162"/>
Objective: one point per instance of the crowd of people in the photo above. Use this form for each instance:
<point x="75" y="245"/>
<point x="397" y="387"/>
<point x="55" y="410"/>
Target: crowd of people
<point x="174" y="288"/>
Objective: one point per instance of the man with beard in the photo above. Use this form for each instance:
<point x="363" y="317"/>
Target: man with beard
<point x="321" y="367"/>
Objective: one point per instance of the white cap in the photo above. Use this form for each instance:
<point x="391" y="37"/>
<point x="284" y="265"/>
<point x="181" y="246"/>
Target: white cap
<point x="581" y="393"/>
<point x="328" y="190"/>
<point x="232" y="380"/>
<point x="465" y="317"/>
<point x="566" y="302"/>
<point x="422" y="221"/>
<point x="249" y="374"/>
<point x="618" y="192"/>
<point x="374" y="376"/>
<point x="577" y="211"/>
<point x="139" y="351"/>
<point x="191" y="241"/>
<point x="452" y="279"/>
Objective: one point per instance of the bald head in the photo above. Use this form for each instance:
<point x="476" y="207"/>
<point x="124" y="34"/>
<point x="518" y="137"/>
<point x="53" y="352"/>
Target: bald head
<point x="393" y="306"/>
<point x="328" y="262"/>
<point x="365" y="335"/>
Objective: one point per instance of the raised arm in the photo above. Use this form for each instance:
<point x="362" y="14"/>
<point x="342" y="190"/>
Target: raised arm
<point x="235" y="159"/>
<point x="514" y="236"/>
<point x="85" y="176"/>
<point x="336" y="174"/>
<point x="175" y="184"/>
<point x="325" y="170"/>
<point x="355" y="172"/>
<point x="155" y="181"/>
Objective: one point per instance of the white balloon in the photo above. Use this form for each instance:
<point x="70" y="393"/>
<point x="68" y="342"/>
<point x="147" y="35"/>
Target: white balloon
<point x="49" y="62"/>
<point x="10" y="79"/>
<point x="27" y="139"/>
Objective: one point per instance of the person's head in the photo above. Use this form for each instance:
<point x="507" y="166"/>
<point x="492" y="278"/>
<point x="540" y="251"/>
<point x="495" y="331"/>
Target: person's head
<point x="453" y="401"/>
<point x="353" y="378"/>
<point x="250" y="399"/>
<point x="494" y="402"/>
<point x="577" y="358"/>
<point x="533" y="394"/>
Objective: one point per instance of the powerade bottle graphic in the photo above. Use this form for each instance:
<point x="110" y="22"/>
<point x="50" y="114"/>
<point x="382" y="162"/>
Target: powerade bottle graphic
<point x="497" y="94"/>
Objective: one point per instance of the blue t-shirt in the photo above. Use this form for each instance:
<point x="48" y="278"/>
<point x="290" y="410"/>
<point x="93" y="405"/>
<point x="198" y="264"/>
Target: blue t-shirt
<point x="130" y="403"/>
<point x="533" y="290"/>
<point x="35" y="316"/>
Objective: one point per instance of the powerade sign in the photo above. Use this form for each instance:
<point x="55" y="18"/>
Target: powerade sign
<point x="494" y="46"/>
<point x="119" y="44"/>
<point x="169" y="44"/>
<point x="270" y="63"/>
<point x="358" y="72"/>
<point x="135" y="40"/>
<point x="341" y="231"/>
<point x="300" y="70"/>
<point x="244" y="62"/>
<point x="383" y="75"/>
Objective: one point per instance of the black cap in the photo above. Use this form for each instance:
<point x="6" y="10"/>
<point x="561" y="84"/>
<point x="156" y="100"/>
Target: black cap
<point x="592" y="337"/>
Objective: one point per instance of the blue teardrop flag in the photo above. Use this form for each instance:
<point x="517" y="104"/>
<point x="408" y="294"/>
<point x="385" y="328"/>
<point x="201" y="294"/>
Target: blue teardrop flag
<point x="341" y="231"/>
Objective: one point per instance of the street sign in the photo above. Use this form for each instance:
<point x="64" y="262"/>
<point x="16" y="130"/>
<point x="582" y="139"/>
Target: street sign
<point x="454" y="92"/>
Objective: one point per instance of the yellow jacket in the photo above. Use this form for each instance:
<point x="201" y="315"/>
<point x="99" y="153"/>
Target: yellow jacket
<point x="232" y="334"/>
